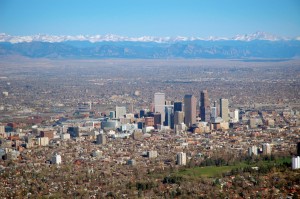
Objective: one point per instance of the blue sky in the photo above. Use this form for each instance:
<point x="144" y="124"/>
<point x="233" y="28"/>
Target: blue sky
<point x="144" y="17"/>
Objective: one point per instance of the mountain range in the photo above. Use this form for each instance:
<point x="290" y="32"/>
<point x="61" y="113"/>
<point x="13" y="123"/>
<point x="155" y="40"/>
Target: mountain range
<point x="257" y="45"/>
<point x="116" y="38"/>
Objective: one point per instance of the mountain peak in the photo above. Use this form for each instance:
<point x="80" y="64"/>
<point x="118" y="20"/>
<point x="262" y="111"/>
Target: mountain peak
<point x="259" y="36"/>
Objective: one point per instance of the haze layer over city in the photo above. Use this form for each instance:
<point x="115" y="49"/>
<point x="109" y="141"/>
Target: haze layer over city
<point x="172" y="99"/>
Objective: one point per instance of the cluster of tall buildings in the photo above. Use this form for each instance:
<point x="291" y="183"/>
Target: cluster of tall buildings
<point x="197" y="115"/>
<point x="170" y="113"/>
<point x="176" y="113"/>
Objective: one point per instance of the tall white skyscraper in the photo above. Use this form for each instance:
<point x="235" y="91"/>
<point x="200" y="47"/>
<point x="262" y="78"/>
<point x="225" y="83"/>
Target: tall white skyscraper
<point x="296" y="162"/>
<point x="159" y="105"/>
<point x="224" y="111"/>
<point x="266" y="149"/>
<point x="252" y="150"/>
<point x="236" y="115"/>
<point x="120" y="111"/>
<point x="56" y="159"/>
<point x="181" y="158"/>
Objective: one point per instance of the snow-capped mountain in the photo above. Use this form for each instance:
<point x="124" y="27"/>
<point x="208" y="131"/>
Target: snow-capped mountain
<point x="259" y="36"/>
<point x="257" y="45"/>
<point x="116" y="38"/>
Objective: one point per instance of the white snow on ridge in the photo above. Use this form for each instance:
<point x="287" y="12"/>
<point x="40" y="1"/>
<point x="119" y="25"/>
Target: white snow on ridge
<point x="258" y="36"/>
<point x="116" y="38"/>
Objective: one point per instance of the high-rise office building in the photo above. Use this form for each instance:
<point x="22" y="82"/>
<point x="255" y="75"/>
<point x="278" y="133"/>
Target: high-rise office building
<point x="204" y="106"/>
<point x="190" y="110"/>
<point x="181" y="158"/>
<point x="235" y="116"/>
<point x="224" y="111"/>
<point x="296" y="162"/>
<point x="178" y="106"/>
<point x="169" y="118"/>
<point x="178" y="117"/>
<point x="252" y="150"/>
<point x="56" y="159"/>
<point x="296" y="159"/>
<point x="159" y="105"/>
<point x="120" y="111"/>
<point x="157" y="119"/>
<point x="266" y="149"/>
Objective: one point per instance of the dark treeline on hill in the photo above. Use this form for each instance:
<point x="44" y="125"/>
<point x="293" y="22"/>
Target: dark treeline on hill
<point x="222" y="49"/>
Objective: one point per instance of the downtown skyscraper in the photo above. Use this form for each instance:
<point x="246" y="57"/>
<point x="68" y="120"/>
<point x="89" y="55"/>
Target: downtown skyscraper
<point x="120" y="111"/>
<point x="159" y="105"/>
<point x="169" y="116"/>
<point x="190" y="104"/>
<point x="204" y="106"/>
<point x="224" y="111"/>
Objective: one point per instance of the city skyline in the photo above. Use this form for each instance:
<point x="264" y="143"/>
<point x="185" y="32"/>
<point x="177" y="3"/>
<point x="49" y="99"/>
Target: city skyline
<point x="57" y="123"/>
<point x="152" y="18"/>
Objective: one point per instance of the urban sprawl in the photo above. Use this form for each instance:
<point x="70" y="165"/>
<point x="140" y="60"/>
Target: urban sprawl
<point x="155" y="137"/>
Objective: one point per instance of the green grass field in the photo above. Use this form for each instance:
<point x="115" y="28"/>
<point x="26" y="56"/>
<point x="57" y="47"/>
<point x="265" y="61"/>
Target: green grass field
<point x="209" y="171"/>
<point x="214" y="171"/>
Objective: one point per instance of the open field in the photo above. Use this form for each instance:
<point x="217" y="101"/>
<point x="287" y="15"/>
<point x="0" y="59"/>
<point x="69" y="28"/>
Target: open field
<point x="215" y="171"/>
<point x="210" y="171"/>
